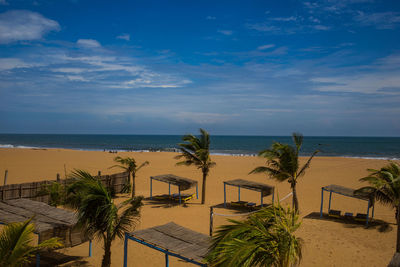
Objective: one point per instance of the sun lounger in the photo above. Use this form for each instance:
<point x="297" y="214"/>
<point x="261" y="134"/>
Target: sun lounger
<point x="162" y="197"/>
<point x="348" y="215"/>
<point x="334" y="213"/>
<point x="251" y="204"/>
<point x="239" y="203"/>
<point x="184" y="197"/>
<point x="361" y="217"/>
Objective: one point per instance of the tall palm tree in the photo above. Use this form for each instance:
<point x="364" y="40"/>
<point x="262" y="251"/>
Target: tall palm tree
<point x="283" y="164"/>
<point x="385" y="187"/>
<point x="129" y="165"/>
<point x="97" y="213"/>
<point x="196" y="151"/>
<point x="16" y="244"/>
<point x="266" y="238"/>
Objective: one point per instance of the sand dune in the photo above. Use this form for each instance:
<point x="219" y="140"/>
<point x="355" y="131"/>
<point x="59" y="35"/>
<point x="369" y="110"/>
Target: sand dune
<point x="326" y="242"/>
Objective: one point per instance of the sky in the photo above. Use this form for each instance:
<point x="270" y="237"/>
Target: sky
<point x="322" y="68"/>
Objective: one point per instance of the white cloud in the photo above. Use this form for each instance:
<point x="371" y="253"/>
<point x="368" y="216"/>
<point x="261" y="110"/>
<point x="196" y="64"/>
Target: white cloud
<point x="292" y="18"/>
<point x="90" y="43"/>
<point x="263" y="47"/>
<point x="203" y="117"/>
<point x="20" y="25"/>
<point x="125" y="36"/>
<point x="12" y="63"/>
<point x="262" y="27"/>
<point x="380" y="20"/>
<point x="320" y="27"/>
<point x="226" y="32"/>
<point x="211" y="18"/>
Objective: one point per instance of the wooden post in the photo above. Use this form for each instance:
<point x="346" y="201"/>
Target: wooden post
<point x="211" y="220"/>
<point x="99" y="174"/>
<point x="58" y="177"/>
<point x="5" y="177"/>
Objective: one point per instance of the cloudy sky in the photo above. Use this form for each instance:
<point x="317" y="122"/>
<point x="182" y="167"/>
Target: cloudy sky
<point x="327" y="67"/>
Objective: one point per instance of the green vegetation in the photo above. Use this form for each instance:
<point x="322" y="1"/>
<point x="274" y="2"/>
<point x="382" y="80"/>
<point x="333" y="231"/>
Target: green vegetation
<point x="266" y="238"/>
<point x="283" y="164"/>
<point x="196" y="151"/>
<point x="129" y="165"/>
<point x="97" y="213"/>
<point x="385" y="187"/>
<point x="16" y="244"/>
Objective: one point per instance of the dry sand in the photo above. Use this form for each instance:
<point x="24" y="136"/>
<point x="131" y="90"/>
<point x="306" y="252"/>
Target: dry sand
<point x="326" y="242"/>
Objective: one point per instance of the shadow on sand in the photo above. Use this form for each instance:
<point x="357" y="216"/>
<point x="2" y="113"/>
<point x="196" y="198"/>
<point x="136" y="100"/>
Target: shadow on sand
<point x="53" y="258"/>
<point x="379" y="225"/>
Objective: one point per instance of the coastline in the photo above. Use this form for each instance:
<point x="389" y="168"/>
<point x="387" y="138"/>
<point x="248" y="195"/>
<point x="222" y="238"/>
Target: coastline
<point x="326" y="242"/>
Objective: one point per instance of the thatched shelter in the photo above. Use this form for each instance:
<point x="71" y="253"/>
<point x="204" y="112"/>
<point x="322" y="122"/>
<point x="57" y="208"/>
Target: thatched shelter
<point x="181" y="182"/>
<point x="345" y="191"/>
<point x="48" y="221"/>
<point x="264" y="189"/>
<point x="173" y="240"/>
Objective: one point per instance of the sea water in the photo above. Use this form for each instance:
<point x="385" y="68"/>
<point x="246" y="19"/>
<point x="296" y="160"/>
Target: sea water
<point x="362" y="147"/>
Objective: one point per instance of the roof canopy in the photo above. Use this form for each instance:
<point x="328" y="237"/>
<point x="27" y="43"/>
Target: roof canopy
<point x="49" y="221"/>
<point x="176" y="239"/>
<point x="349" y="192"/>
<point x="183" y="183"/>
<point x="264" y="188"/>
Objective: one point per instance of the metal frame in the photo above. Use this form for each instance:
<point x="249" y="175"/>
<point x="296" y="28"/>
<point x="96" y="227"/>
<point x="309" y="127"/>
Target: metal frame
<point x="238" y="186"/>
<point x="166" y="252"/>
<point x="330" y="201"/>
<point x="169" y="190"/>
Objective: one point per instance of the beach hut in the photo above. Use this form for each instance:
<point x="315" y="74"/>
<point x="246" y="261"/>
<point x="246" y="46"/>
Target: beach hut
<point x="181" y="182"/>
<point x="264" y="189"/>
<point x="172" y="240"/>
<point x="48" y="221"/>
<point x="348" y="192"/>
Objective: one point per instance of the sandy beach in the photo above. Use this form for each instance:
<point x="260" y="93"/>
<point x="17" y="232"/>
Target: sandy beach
<point x="326" y="242"/>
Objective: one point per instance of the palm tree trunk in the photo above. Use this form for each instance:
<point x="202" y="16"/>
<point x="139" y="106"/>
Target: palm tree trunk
<point x="203" y="189"/>
<point x="107" y="253"/>
<point x="398" y="228"/>
<point x="295" y="202"/>
<point x="133" y="184"/>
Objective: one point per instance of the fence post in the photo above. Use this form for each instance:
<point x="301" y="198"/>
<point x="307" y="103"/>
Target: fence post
<point x="5" y="177"/>
<point x="58" y="178"/>
<point x="20" y="190"/>
<point x="99" y="174"/>
<point x="211" y="220"/>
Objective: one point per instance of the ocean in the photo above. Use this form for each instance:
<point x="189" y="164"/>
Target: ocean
<point x="359" y="147"/>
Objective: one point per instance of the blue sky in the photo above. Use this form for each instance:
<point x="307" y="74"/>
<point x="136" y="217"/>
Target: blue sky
<point x="328" y="67"/>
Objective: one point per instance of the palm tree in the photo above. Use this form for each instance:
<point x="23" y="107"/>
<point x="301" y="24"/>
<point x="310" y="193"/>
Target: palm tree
<point x="283" y="164"/>
<point x="129" y="165"/>
<point x="97" y="213"/>
<point x="16" y="244"/>
<point x="385" y="187"/>
<point x="266" y="238"/>
<point x="196" y="151"/>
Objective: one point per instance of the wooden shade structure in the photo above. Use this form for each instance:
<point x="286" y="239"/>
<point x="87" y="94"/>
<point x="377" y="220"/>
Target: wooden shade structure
<point x="181" y="182"/>
<point x="173" y="240"/>
<point x="264" y="189"/>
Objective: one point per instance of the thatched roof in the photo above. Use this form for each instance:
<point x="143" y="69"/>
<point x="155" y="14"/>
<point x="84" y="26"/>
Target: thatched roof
<point x="49" y="221"/>
<point x="264" y="188"/>
<point x="395" y="262"/>
<point x="183" y="183"/>
<point x="176" y="239"/>
<point x="344" y="191"/>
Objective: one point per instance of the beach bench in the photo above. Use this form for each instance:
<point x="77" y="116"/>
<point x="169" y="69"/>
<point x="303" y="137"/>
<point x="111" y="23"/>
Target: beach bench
<point x="361" y="217"/>
<point x="184" y="197"/>
<point x="348" y="215"/>
<point x="334" y="213"/>
<point x="239" y="203"/>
